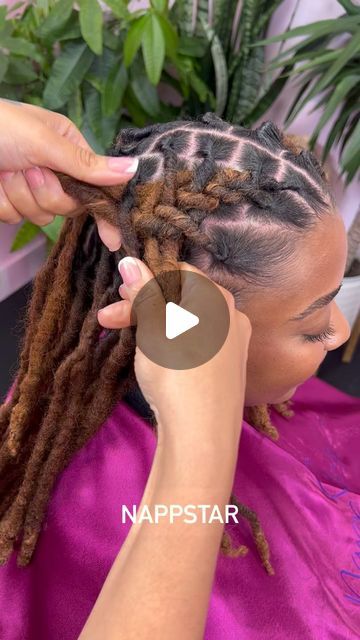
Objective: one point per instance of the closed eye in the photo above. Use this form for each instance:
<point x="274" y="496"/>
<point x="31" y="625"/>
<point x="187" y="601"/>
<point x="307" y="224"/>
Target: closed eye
<point x="321" y="337"/>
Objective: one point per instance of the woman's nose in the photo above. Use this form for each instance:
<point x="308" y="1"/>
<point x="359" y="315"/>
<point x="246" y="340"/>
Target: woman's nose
<point x="342" y="326"/>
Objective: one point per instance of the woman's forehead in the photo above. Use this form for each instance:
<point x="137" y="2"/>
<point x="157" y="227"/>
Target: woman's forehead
<point x="315" y="269"/>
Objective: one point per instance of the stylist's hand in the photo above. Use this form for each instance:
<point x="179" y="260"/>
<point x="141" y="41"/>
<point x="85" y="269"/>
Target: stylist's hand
<point x="212" y="393"/>
<point x="34" y="142"/>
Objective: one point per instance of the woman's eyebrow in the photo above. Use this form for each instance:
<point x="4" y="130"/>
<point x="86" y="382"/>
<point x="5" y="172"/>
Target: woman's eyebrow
<point x="318" y="304"/>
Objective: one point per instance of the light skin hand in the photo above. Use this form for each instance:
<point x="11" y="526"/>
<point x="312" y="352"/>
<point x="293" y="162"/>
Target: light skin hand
<point x="160" y="583"/>
<point x="36" y="142"/>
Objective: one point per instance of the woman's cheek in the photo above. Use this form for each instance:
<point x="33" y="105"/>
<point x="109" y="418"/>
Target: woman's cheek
<point x="276" y="367"/>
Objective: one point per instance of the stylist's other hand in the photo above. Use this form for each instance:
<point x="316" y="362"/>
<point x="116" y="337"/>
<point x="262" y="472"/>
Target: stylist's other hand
<point x="35" y="142"/>
<point x="212" y="393"/>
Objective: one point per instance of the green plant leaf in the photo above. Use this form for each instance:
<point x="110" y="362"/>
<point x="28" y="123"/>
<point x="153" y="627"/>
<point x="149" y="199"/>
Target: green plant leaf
<point x="266" y="100"/>
<point x="21" y="47"/>
<point x="133" y="39"/>
<point x="103" y="127"/>
<point x="159" y="5"/>
<point x="4" y="62"/>
<point x="153" y="47"/>
<point x="67" y="73"/>
<point x="188" y="46"/>
<point x="341" y="90"/>
<point x="329" y="56"/>
<point x="145" y="93"/>
<point x="114" y="90"/>
<point x="91" y="24"/>
<point x="75" y="108"/>
<point x="349" y="7"/>
<point x="316" y="29"/>
<point x="344" y="56"/>
<point x="201" y="89"/>
<point x="170" y="36"/>
<point x="351" y="152"/>
<point x="52" y="230"/>
<point x="3" y="12"/>
<point x="55" y="21"/>
<point x="118" y="7"/>
<point x="20" y="71"/>
<point x="27" y="232"/>
<point x="220" y="67"/>
<point x="100" y="69"/>
<point x="350" y="126"/>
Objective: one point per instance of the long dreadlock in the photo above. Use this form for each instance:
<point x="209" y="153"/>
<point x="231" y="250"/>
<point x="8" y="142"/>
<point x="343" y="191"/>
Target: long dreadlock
<point x="227" y="199"/>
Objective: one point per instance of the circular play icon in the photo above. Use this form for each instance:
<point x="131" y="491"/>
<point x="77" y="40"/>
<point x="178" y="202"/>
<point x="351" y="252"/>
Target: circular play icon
<point x="188" y="328"/>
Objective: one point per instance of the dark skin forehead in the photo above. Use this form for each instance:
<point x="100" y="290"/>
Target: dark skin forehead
<point x="315" y="270"/>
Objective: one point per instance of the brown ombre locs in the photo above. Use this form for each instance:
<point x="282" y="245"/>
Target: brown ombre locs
<point x="202" y="187"/>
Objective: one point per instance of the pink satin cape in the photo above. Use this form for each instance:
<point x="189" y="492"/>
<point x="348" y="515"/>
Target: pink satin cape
<point x="305" y="489"/>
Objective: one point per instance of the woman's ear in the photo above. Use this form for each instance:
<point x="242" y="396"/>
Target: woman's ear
<point x="100" y="202"/>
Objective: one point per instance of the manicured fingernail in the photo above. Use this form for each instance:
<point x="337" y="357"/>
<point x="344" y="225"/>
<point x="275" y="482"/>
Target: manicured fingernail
<point x="123" y="165"/>
<point x="35" y="177"/>
<point x="129" y="270"/>
<point x="6" y="175"/>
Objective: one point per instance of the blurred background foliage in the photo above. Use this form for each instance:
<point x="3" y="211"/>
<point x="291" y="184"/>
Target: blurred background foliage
<point x="107" y="68"/>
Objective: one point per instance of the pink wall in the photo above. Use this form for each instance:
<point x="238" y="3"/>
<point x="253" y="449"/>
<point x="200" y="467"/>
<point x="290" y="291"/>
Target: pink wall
<point x="18" y="268"/>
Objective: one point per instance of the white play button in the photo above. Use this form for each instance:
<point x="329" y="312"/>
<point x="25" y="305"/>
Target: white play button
<point x="178" y="320"/>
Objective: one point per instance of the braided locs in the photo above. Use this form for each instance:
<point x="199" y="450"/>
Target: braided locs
<point x="222" y="197"/>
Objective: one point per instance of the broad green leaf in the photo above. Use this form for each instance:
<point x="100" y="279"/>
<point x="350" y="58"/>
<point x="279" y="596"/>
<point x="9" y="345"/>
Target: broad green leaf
<point x="21" y="47"/>
<point x="118" y="7"/>
<point x="75" y="108"/>
<point x="134" y="38"/>
<point x="57" y="18"/>
<point x="221" y="76"/>
<point x="110" y="40"/>
<point x="3" y="12"/>
<point x="189" y="46"/>
<point x="67" y="73"/>
<point x="145" y="93"/>
<point x="100" y="69"/>
<point x="4" y="62"/>
<point x="201" y="88"/>
<point x="27" y="232"/>
<point x="159" y="5"/>
<point x="153" y="47"/>
<point x="103" y="127"/>
<point x="114" y="90"/>
<point x="138" y="116"/>
<point x="91" y="24"/>
<point x="20" y="71"/>
<point x="266" y="100"/>
<point x="170" y="36"/>
<point x="52" y="230"/>
<point x="91" y="137"/>
<point x="220" y="67"/>
<point x="71" y="33"/>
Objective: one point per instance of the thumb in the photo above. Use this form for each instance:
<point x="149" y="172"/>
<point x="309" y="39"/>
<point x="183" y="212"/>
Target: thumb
<point x="82" y="163"/>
